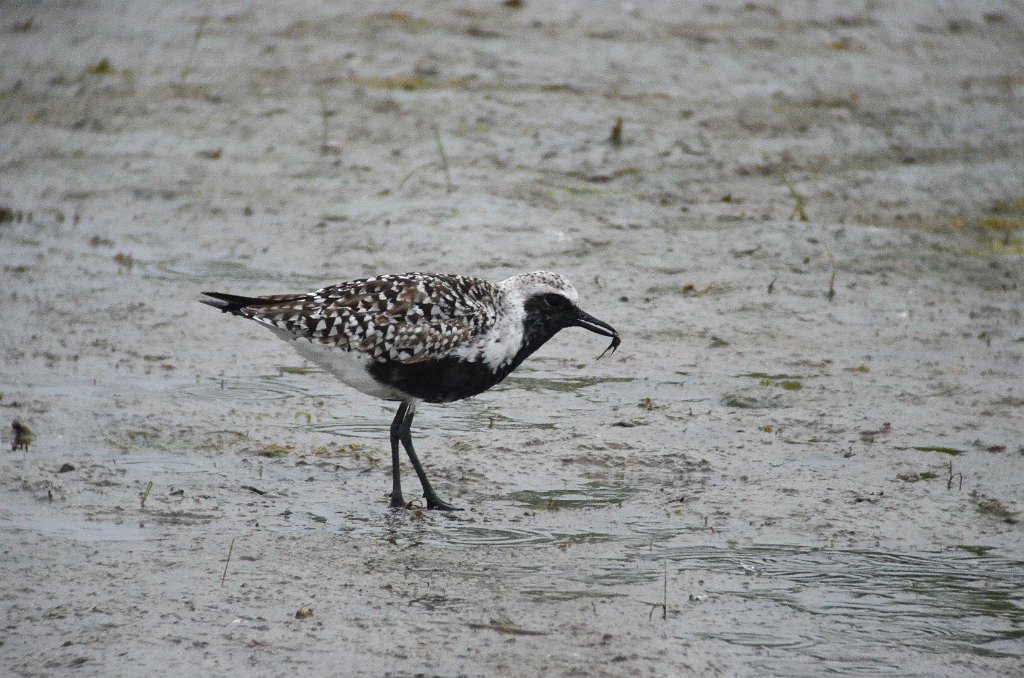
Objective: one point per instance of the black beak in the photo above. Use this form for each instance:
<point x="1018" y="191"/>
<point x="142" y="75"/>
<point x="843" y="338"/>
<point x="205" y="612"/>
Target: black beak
<point x="589" y="322"/>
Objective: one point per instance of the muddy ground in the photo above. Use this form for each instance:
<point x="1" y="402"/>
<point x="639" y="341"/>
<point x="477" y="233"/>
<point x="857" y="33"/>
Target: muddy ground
<point x="806" y="457"/>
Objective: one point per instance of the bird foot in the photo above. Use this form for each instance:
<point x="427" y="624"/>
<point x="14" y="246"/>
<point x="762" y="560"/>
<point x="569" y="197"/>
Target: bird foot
<point x="434" y="503"/>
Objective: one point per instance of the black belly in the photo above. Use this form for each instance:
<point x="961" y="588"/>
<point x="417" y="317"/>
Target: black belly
<point x="438" y="381"/>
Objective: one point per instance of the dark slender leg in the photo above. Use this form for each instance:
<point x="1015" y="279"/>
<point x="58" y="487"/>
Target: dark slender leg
<point x="397" y="501"/>
<point x="405" y="435"/>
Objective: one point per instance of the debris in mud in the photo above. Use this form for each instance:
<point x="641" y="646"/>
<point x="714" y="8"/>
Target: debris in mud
<point x="915" y="477"/>
<point x="66" y="468"/>
<point x="951" y="451"/>
<point x="952" y="475"/>
<point x="144" y="495"/>
<point x="744" y="401"/>
<point x="989" y="506"/>
<point x="23" y="436"/>
<point x="275" y="451"/>
<point x="227" y="561"/>
<point x="615" y="138"/>
<point x="649" y="405"/>
<point x="478" y="32"/>
<point x="504" y="625"/>
<point x="975" y="549"/>
<point x="869" y="436"/>
<point x="444" y="159"/>
<point x="782" y="381"/>
<point x="97" y="241"/>
<point x="979" y="444"/>
<point x="604" y="178"/>
<point x="125" y="262"/>
<point x="799" y="203"/>
<point x="255" y="490"/>
<point x="210" y="154"/>
<point x="304" y="613"/>
<point x="101" y="67"/>
<point x="831" y="294"/>
<point x="341" y="450"/>
<point x="690" y="290"/>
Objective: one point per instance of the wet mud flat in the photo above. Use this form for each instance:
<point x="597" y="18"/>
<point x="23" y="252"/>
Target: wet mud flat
<point x="806" y="457"/>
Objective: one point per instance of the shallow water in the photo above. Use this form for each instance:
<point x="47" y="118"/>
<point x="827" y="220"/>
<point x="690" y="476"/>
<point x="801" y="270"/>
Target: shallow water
<point x="869" y="600"/>
<point x="859" y="610"/>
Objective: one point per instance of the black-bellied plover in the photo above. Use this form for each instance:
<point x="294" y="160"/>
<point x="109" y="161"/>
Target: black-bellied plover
<point x="420" y="337"/>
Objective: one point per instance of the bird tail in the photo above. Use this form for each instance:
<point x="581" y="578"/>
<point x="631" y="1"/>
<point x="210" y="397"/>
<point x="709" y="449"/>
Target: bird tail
<point x="243" y="306"/>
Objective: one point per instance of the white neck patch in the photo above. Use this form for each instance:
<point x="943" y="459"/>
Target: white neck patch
<point x="501" y="344"/>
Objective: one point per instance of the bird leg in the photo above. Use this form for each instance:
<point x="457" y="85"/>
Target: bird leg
<point x="405" y="435"/>
<point x="397" y="501"/>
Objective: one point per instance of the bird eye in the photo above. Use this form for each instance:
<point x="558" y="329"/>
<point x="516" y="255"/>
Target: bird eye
<point x="555" y="300"/>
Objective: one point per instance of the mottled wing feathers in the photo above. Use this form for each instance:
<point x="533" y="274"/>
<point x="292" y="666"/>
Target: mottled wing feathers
<point x="406" y="318"/>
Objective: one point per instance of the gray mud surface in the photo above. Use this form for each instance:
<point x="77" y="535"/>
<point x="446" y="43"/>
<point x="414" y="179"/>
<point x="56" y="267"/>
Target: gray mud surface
<point x="807" y="457"/>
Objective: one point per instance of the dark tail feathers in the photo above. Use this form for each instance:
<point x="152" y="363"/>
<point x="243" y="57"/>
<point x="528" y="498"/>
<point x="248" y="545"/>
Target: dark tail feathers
<point x="229" y="303"/>
<point x="246" y="306"/>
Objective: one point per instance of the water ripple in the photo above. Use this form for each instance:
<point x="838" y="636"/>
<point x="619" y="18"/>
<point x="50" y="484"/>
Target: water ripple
<point x="927" y="601"/>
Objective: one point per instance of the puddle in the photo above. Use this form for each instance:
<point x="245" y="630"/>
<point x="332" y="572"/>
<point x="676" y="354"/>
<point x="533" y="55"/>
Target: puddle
<point x="593" y="496"/>
<point x="219" y="273"/>
<point x="153" y="465"/>
<point x="792" y="606"/>
<point x="42" y="520"/>
<point x="430" y="420"/>
<point x="561" y="384"/>
<point x="365" y="419"/>
<point x="850" y="603"/>
<point x="472" y="536"/>
<point x="563" y="595"/>
<point x="263" y="387"/>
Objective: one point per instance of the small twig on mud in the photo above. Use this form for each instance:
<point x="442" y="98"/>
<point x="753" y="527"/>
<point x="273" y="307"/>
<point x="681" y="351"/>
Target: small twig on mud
<point x="187" y="68"/>
<point x="444" y="159"/>
<point x="325" y="116"/>
<point x="831" y="294"/>
<point x="664" y="591"/>
<point x="615" y="138"/>
<point x="227" y="561"/>
<point x="23" y="436"/>
<point x="145" y="494"/>
<point x="326" y="148"/>
<point x="949" y="483"/>
<point x="664" y="595"/>
<point x="408" y="176"/>
<point x="771" y="285"/>
<point x="799" y="202"/>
